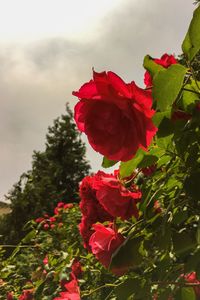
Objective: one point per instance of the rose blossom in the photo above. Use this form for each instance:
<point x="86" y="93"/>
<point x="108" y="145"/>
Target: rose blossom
<point x="103" y="242"/>
<point x="165" y="61"/>
<point x="192" y="278"/>
<point x="26" y="295"/>
<point x="115" y="198"/>
<point x="115" y="116"/>
<point x="92" y="211"/>
<point x="9" y="296"/>
<point x="76" y="268"/>
<point x="72" y="293"/>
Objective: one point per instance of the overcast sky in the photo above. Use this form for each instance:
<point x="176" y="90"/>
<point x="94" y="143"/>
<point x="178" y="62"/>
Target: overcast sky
<point x="48" y="49"/>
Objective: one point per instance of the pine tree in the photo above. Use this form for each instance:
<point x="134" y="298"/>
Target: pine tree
<point x="55" y="175"/>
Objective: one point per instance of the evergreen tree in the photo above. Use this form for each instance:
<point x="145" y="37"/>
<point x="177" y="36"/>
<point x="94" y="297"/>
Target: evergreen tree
<point x="55" y="175"/>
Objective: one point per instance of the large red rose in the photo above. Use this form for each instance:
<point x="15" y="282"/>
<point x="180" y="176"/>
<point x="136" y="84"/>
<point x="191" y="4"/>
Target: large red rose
<point x="103" y="242"/>
<point x="166" y="60"/>
<point x="115" y="198"/>
<point x="115" y="116"/>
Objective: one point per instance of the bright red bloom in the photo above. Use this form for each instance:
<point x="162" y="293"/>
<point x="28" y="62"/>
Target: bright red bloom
<point x="192" y="278"/>
<point x="45" y="260"/>
<point x="115" y="116"/>
<point x="103" y="242"/>
<point x="92" y="210"/>
<point x="68" y="205"/>
<point x="114" y="197"/>
<point x="39" y="220"/>
<point x="165" y="61"/>
<point x="157" y="207"/>
<point x="72" y="293"/>
<point x="46" y="226"/>
<point x="26" y="295"/>
<point x="60" y="204"/>
<point x="9" y="296"/>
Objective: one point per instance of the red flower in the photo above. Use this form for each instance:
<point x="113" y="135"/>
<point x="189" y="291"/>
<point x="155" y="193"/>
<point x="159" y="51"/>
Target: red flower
<point x="68" y="205"/>
<point x="26" y="295"/>
<point x="46" y="226"/>
<point x="115" y="116"/>
<point x="115" y="198"/>
<point x="92" y="210"/>
<point x="104" y="241"/>
<point x="165" y="61"/>
<point x="39" y="220"/>
<point x="45" y="260"/>
<point x="72" y="293"/>
<point x="157" y="207"/>
<point x="9" y="296"/>
<point x="192" y="278"/>
<point x="76" y="268"/>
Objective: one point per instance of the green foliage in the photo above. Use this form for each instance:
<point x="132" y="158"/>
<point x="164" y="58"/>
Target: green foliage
<point x="191" y="43"/>
<point x="167" y="85"/>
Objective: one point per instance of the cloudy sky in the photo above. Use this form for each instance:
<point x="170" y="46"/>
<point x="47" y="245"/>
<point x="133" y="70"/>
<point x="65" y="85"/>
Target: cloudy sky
<point x="48" y="49"/>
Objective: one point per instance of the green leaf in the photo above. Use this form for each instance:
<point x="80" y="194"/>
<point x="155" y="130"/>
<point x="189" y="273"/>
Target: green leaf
<point x="127" y="255"/>
<point x="152" y="67"/>
<point x="127" y="288"/>
<point x="142" y="159"/>
<point x="107" y="163"/>
<point x="159" y="116"/>
<point x="192" y="185"/>
<point x="192" y="262"/>
<point x="188" y="293"/>
<point x="128" y="167"/>
<point x="191" y="43"/>
<point x="183" y="242"/>
<point x="167" y="85"/>
<point x="189" y="99"/>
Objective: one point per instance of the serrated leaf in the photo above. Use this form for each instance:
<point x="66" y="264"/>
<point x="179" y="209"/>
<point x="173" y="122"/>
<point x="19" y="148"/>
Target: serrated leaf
<point x="107" y="163"/>
<point x="191" y="43"/>
<point x="167" y="85"/>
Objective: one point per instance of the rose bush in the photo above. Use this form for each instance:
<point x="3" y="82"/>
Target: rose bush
<point x="115" y="116"/>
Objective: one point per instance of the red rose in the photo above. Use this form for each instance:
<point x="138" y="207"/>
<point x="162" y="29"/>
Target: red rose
<point x="103" y="242"/>
<point x="72" y="293"/>
<point x="115" y="116"/>
<point x="26" y="295"/>
<point x="9" y="296"/>
<point x="92" y="210"/>
<point x="115" y="198"/>
<point x="192" y="278"/>
<point x="76" y="268"/>
<point x="165" y="61"/>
